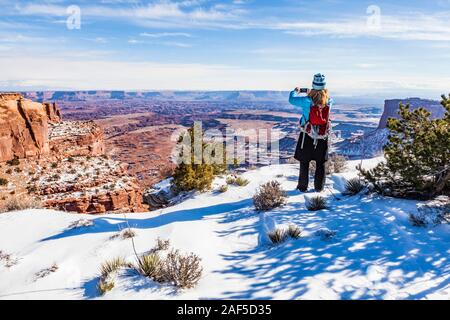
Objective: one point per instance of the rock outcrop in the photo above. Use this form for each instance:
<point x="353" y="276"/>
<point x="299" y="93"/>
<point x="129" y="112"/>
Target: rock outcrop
<point x="62" y="163"/>
<point x="89" y="185"/>
<point x="23" y="128"/>
<point x="53" y="112"/>
<point x="391" y="108"/>
<point x="76" y="138"/>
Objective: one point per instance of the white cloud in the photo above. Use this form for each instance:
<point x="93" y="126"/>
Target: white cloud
<point x="165" y="34"/>
<point x="86" y="72"/>
<point x="403" y="27"/>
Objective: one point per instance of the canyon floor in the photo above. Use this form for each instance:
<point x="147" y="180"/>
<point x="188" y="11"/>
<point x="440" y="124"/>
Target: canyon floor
<point x="374" y="252"/>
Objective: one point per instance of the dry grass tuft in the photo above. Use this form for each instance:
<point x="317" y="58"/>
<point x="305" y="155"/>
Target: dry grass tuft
<point x="278" y="236"/>
<point x="316" y="203"/>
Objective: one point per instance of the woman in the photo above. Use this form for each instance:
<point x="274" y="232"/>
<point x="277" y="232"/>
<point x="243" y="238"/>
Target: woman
<point x="315" y="124"/>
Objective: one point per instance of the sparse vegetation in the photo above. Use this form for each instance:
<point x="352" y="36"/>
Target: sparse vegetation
<point x="278" y="236"/>
<point x="47" y="271"/>
<point x="241" y="182"/>
<point x="316" y="203"/>
<point x="3" y="182"/>
<point x="16" y="203"/>
<point x="151" y="266"/>
<point x="107" y="271"/>
<point x="269" y="196"/>
<point x="231" y="180"/>
<point x="184" y="271"/>
<point x="161" y="245"/>
<point x="223" y="188"/>
<point x="7" y="259"/>
<point x="128" y="233"/>
<point x="338" y="163"/>
<point x="105" y="285"/>
<point x="294" y="231"/>
<point x="111" y="266"/>
<point x="81" y="224"/>
<point x="354" y="186"/>
<point x="13" y="162"/>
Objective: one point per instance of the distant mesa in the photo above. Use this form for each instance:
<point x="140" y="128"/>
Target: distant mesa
<point x="391" y="108"/>
<point x="229" y="96"/>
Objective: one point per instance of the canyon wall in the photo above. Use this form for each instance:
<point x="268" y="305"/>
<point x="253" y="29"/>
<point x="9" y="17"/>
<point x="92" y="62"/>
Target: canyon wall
<point x="23" y="128"/>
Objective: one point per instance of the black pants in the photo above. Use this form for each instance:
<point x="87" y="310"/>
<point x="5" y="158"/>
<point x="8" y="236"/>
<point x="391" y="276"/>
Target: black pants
<point x="319" y="177"/>
<point x="306" y="152"/>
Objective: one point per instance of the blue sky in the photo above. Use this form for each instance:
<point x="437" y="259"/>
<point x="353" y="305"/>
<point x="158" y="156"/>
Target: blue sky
<point x="364" y="47"/>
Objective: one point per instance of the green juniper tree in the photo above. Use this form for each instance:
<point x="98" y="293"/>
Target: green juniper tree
<point x="417" y="155"/>
<point x="200" y="161"/>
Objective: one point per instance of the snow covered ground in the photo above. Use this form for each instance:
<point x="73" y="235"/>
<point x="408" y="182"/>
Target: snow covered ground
<point x="375" y="254"/>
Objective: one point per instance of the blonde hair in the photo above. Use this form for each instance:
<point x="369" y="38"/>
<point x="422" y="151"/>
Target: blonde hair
<point x="319" y="97"/>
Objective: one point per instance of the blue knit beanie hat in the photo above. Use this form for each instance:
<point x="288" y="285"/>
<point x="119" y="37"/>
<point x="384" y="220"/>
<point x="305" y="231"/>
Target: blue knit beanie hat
<point x="319" y="82"/>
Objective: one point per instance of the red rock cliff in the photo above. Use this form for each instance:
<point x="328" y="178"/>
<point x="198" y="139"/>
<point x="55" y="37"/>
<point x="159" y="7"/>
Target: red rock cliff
<point x="23" y="128"/>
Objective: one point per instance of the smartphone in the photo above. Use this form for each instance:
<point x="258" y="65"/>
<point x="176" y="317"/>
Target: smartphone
<point x="303" y="90"/>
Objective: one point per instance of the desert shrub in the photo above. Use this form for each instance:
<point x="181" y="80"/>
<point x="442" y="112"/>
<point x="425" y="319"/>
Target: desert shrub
<point x="316" y="203"/>
<point x="16" y="203"/>
<point x="417" y="156"/>
<point x="82" y="223"/>
<point x="280" y="175"/>
<point x="8" y="171"/>
<point x="54" y="165"/>
<point x="13" y="162"/>
<point x="241" y="182"/>
<point x="223" y="188"/>
<point x="354" y="186"/>
<point x="18" y="170"/>
<point x="198" y="174"/>
<point x="278" y="236"/>
<point x="71" y="159"/>
<point x="47" y="271"/>
<point x="231" y="180"/>
<point x="184" y="271"/>
<point x="107" y="271"/>
<point x="338" y="163"/>
<point x="162" y="244"/>
<point x="105" y="285"/>
<point x="269" y="196"/>
<point x="335" y="164"/>
<point x="3" y="182"/>
<point x="7" y="259"/>
<point x="110" y="266"/>
<point x="151" y="266"/>
<point x="128" y="233"/>
<point x="294" y="231"/>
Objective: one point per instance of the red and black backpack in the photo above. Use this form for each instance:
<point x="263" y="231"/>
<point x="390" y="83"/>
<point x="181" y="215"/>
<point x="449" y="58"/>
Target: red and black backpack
<point x="318" y="125"/>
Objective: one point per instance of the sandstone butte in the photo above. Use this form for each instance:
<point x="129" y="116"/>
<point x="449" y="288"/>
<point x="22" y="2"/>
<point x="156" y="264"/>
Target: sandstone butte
<point x="35" y="132"/>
